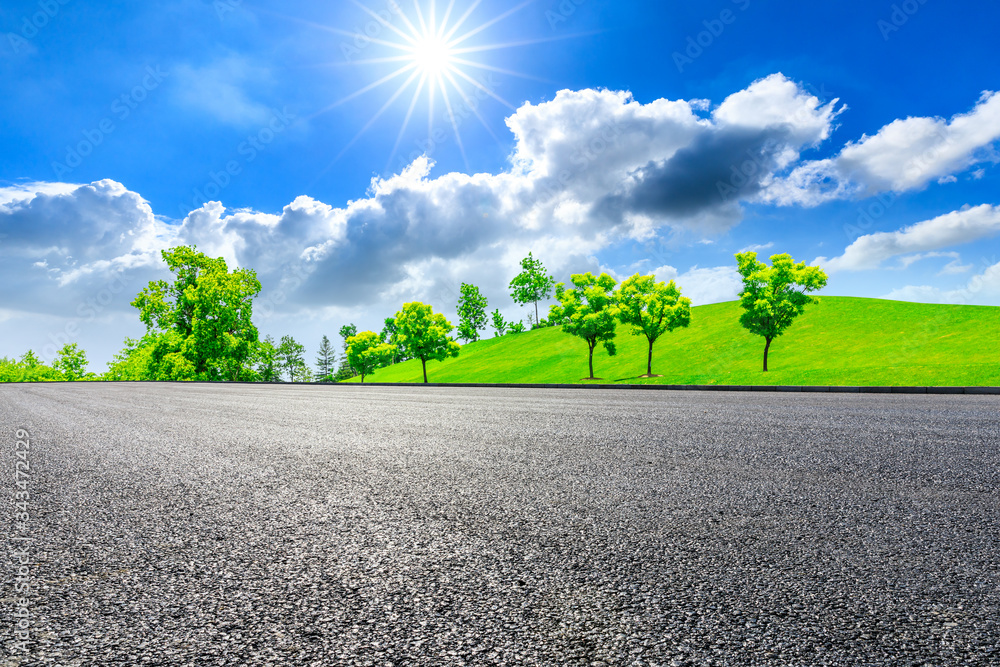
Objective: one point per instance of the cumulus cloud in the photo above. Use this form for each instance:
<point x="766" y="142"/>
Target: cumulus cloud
<point x="905" y="155"/>
<point x="951" y="229"/>
<point x="982" y="289"/>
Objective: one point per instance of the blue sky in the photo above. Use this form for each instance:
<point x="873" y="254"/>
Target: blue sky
<point x="599" y="135"/>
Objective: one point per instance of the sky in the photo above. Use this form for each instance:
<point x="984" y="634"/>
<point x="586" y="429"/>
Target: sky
<point x="359" y="155"/>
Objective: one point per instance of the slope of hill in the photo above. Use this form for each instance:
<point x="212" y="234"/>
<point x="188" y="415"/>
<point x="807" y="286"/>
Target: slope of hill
<point x="839" y="341"/>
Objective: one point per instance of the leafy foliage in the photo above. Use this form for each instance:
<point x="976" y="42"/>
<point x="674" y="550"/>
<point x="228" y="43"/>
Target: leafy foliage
<point x="265" y="360"/>
<point x="499" y="324"/>
<point x="291" y="359"/>
<point x="71" y="362"/>
<point x="773" y="296"/>
<point x="366" y="352"/>
<point x="588" y="311"/>
<point x="423" y="334"/>
<point x="29" y="368"/>
<point x="472" y="307"/>
<point x="532" y="285"/>
<point x="209" y="310"/>
<point x="652" y="309"/>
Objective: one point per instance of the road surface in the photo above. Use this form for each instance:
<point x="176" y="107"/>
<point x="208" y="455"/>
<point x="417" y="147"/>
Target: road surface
<point x="336" y="525"/>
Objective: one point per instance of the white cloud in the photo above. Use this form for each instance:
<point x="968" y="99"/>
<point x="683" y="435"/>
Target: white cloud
<point x="983" y="290"/>
<point x="704" y="286"/>
<point x="905" y="155"/>
<point x="951" y="229"/>
<point x="220" y="89"/>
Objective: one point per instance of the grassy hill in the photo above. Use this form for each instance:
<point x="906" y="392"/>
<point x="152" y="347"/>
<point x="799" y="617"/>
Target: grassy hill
<point x="839" y="341"/>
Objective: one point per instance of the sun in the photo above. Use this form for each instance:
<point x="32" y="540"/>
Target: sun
<point x="433" y="56"/>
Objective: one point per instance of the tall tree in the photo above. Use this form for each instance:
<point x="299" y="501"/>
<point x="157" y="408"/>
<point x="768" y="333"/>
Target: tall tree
<point x="388" y="336"/>
<point x="71" y="362"/>
<point x="347" y="331"/>
<point x="533" y="284"/>
<point x="209" y="309"/>
<point x="423" y="334"/>
<point x="773" y="296"/>
<point x="291" y="357"/>
<point x="366" y="352"/>
<point x="471" y="313"/>
<point x="326" y="360"/>
<point x="652" y="309"/>
<point x="588" y="311"/>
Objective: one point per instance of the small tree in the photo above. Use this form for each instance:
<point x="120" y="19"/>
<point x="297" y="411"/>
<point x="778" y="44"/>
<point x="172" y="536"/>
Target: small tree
<point x="266" y="361"/>
<point x="71" y="362"/>
<point x="291" y="357"/>
<point x="532" y="285"/>
<point x="471" y="313"/>
<point x="499" y="323"/>
<point x="652" y="309"/>
<point x="773" y="296"/>
<point x="326" y="359"/>
<point x="588" y="311"/>
<point x="423" y="334"/>
<point x="366" y="352"/>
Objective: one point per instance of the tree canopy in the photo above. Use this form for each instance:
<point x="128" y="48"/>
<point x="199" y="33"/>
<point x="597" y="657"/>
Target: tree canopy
<point x="773" y="296"/>
<point x="71" y="362"/>
<point x="472" y="318"/>
<point x="588" y="311"/>
<point x="423" y="334"/>
<point x="208" y="311"/>
<point x="366" y="352"/>
<point x="652" y="309"/>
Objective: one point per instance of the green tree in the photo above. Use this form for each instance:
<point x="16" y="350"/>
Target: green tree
<point x="533" y="284"/>
<point x="71" y="362"/>
<point x="326" y="360"/>
<point x="209" y="308"/>
<point x="266" y="361"/>
<point x="652" y="309"/>
<point x="773" y="296"/>
<point x="347" y="331"/>
<point x="588" y="311"/>
<point x="499" y="323"/>
<point x="423" y="334"/>
<point x="291" y="358"/>
<point x="388" y="336"/>
<point x="366" y="352"/>
<point x="471" y="313"/>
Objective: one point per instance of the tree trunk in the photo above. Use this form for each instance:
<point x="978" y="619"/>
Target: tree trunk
<point x="536" y="314"/>
<point x="424" y="362"/>
<point x="362" y="378"/>
<point x="767" y="347"/>
<point x="649" y="363"/>
<point x="591" y="361"/>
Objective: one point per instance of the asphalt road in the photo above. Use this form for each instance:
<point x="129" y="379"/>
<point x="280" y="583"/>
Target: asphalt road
<point x="243" y="525"/>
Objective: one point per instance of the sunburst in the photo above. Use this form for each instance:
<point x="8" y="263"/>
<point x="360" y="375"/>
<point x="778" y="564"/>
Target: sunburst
<point x="437" y="58"/>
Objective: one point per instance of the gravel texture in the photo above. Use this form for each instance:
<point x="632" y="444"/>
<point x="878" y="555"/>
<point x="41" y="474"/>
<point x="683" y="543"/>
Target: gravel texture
<point x="297" y="525"/>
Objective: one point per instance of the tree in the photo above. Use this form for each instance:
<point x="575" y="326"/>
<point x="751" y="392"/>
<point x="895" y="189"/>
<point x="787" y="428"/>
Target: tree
<point x="291" y="357"/>
<point x="423" y="334"/>
<point x="652" y="309"/>
<point x="346" y="332"/>
<point x="588" y="311"/>
<point x="471" y="313"/>
<point x="773" y="296"/>
<point x="266" y="361"/>
<point x="325" y="361"/>
<point x="71" y="362"/>
<point x="209" y="309"/>
<point x="388" y="336"/>
<point x="499" y="324"/>
<point x="366" y="352"/>
<point x="532" y="285"/>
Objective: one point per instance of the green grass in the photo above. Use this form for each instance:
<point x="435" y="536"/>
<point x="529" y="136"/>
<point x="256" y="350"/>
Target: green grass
<point x="839" y="341"/>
